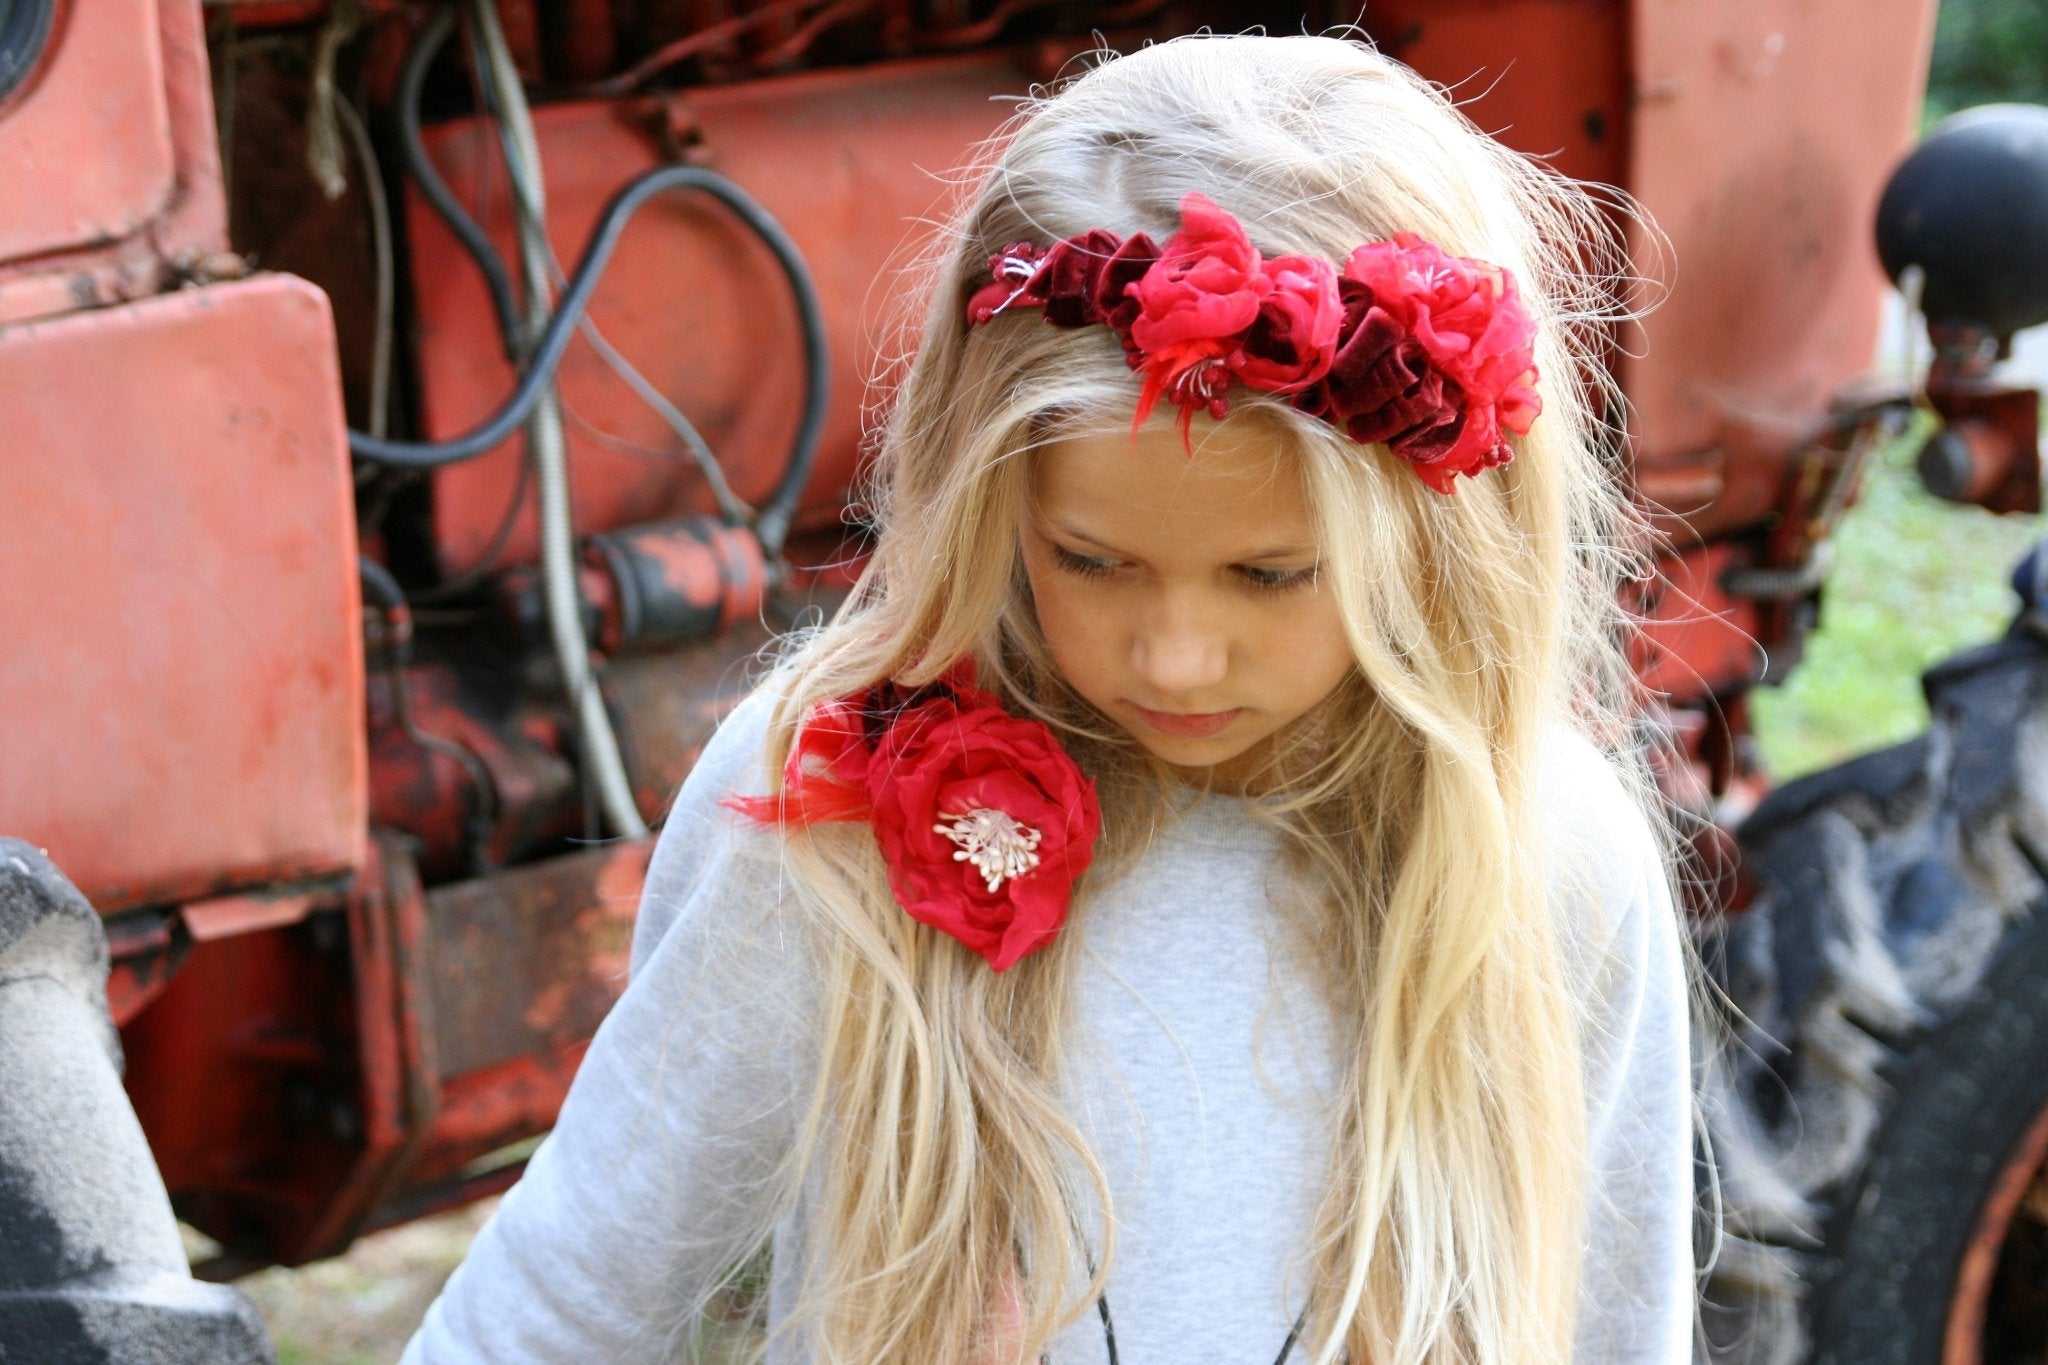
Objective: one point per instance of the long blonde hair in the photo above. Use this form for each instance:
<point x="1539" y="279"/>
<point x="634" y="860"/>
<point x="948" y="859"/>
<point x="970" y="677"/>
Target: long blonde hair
<point x="939" y="1168"/>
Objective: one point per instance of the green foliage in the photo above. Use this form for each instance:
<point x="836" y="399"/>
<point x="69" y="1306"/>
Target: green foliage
<point x="1988" y="51"/>
<point x="1915" y="580"/>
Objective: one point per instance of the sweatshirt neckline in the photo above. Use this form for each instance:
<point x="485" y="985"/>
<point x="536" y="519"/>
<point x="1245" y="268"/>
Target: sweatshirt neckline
<point x="1217" y="820"/>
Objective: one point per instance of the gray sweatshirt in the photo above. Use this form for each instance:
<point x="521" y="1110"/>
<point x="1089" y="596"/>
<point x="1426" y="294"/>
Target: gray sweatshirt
<point x="1197" y="1074"/>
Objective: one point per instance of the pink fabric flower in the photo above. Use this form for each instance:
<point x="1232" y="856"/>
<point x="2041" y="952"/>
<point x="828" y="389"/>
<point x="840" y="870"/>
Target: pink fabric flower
<point x="1194" y="305"/>
<point x="1294" y="337"/>
<point x="1205" y="287"/>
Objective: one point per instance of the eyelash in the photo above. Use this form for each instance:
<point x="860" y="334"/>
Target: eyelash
<point x="1081" y="566"/>
<point x="1257" y="579"/>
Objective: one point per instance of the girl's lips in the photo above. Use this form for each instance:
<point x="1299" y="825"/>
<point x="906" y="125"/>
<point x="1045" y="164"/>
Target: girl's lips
<point x="1196" y="726"/>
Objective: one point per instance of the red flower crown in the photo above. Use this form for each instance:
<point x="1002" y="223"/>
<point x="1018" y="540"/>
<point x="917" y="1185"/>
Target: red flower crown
<point x="1426" y="353"/>
<point x="983" y="820"/>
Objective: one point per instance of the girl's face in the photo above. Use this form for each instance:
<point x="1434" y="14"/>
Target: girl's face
<point x="1179" y="593"/>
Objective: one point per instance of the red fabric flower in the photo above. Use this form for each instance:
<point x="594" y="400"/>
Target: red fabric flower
<point x="1194" y="305"/>
<point x="1466" y="317"/>
<point x="1078" y="281"/>
<point x="984" y="822"/>
<point x="1115" y="300"/>
<point x="1294" y="337"/>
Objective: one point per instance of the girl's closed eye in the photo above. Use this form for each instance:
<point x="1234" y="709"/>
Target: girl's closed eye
<point x="1084" y="566"/>
<point x="1278" y="580"/>
<point x="1252" y="575"/>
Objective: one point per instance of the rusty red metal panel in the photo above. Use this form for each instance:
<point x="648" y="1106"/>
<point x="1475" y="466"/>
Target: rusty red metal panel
<point x="1547" y="77"/>
<point x="244" y="1076"/>
<point x="528" y="961"/>
<point x="116" y="147"/>
<point x="146" y="954"/>
<point x="669" y="704"/>
<point x="847" y="160"/>
<point x="284" y="1075"/>
<point x="1764" y="130"/>
<point x="300" y="1082"/>
<point x="1697" y="640"/>
<point x="183" y="667"/>
<point x="94" y="137"/>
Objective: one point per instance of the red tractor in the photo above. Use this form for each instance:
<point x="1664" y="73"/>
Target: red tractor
<point x="452" y="399"/>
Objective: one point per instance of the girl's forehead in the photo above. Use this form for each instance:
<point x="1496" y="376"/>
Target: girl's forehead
<point x="1226" y="485"/>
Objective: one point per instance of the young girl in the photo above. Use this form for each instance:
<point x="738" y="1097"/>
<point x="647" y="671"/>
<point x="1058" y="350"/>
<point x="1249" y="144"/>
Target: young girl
<point x="1185" y="907"/>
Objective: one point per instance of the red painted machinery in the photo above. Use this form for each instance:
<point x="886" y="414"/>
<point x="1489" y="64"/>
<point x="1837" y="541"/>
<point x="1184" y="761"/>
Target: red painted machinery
<point x="355" y="757"/>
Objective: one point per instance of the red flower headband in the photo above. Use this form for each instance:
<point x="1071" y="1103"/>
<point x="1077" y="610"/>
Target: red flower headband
<point x="1427" y="353"/>
<point x="984" y="821"/>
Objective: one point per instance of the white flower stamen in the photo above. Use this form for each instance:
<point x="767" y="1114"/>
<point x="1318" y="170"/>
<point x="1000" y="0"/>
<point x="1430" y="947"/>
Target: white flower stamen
<point x="999" y="846"/>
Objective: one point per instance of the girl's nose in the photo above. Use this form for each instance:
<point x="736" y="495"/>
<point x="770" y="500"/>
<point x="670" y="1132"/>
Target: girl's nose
<point x="1178" y="655"/>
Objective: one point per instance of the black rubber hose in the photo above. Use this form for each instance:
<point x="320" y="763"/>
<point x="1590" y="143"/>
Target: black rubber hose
<point x="379" y="583"/>
<point x="411" y="79"/>
<point x="772" y="524"/>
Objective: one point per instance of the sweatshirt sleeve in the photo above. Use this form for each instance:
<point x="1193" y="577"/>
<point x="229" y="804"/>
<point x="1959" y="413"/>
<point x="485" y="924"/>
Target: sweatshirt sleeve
<point x="1637" y="1296"/>
<point x="656" y="1181"/>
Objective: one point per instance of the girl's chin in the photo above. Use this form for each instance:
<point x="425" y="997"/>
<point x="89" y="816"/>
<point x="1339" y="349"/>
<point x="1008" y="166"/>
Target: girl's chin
<point x="1208" y="727"/>
<point x="1220" y="764"/>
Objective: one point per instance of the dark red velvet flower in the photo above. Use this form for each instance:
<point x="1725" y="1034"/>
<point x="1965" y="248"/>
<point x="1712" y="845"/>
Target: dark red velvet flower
<point x="1014" y="270"/>
<point x="984" y="822"/>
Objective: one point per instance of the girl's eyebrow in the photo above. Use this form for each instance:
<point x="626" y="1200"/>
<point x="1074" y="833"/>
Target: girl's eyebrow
<point x="1271" y="552"/>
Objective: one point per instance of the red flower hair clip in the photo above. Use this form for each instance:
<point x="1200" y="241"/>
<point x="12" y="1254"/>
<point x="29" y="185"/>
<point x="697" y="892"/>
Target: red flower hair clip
<point x="1427" y="353"/>
<point x="983" y="820"/>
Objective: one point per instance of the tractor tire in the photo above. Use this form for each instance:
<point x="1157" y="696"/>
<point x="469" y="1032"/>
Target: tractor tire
<point x="1887" y="1050"/>
<point x="1945" y="1171"/>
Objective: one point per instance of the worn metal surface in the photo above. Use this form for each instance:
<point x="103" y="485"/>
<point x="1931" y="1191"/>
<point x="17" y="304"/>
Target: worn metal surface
<point x="674" y="582"/>
<point x="1547" y="77"/>
<point x="116" y="136"/>
<point x="847" y="160"/>
<point x="244" y="1073"/>
<point x="1762" y="134"/>
<point x="1697" y="640"/>
<point x="1989" y="449"/>
<point x="183" y="674"/>
<point x="531" y="799"/>
<point x="527" y="962"/>
<point x="669" y="703"/>
<point x="302" y="1082"/>
<point x="94" y="136"/>
<point x="146" y="950"/>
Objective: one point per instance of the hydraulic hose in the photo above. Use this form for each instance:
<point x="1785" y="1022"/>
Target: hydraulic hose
<point x="772" y="525"/>
<point x="411" y="79"/>
<point x="547" y="446"/>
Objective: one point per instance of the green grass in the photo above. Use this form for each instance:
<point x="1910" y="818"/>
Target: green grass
<point x="1915" y="580"/>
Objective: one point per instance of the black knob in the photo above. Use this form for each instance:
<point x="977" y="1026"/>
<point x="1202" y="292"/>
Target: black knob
<point x="1969" y="206"/>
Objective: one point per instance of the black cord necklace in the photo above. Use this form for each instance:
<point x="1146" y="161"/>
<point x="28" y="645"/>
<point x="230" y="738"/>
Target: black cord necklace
<point x="1109" y="1333"/>
<point x="1109" y="1326"/>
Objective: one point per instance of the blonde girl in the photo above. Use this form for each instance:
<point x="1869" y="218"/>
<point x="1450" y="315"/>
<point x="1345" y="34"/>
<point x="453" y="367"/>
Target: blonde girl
<point x="1189" y="906"/>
